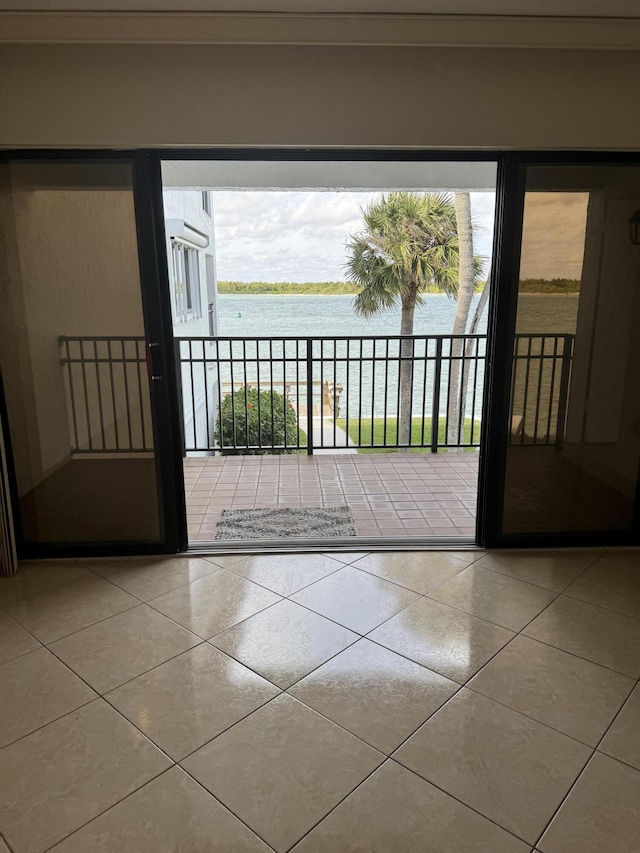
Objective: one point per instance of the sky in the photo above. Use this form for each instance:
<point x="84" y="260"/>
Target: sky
<point x="301" y="236"/>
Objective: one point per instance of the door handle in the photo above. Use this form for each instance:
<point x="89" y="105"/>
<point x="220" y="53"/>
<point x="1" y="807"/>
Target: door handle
<point x="153" y="357"/>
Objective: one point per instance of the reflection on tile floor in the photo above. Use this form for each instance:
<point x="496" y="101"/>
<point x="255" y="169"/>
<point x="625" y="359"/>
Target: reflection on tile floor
<point x="423" y="702"/>
<point x="390" y="494"/>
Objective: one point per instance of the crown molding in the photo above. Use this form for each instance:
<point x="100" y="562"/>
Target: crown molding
<point x="318" y="29"/>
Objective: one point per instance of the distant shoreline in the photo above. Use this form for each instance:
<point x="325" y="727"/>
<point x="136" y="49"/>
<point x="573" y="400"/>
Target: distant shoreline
<point x="537" y="287"/>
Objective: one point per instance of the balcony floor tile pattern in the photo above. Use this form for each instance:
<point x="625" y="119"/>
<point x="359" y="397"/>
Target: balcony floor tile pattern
<point x="390" y="494"/>
<point x="369" y="743"/>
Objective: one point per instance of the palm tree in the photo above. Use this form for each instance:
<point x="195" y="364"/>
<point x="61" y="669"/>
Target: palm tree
<point x="466" y="290"/>
<point x="409" y="243"/>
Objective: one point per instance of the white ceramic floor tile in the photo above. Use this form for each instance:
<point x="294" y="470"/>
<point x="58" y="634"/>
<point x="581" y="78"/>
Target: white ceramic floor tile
<point x="623" y="738"/>
<point x="601" y="813"/>
<point x="35" y="576"/>
<point x="122" y="647"/>
<point x="282" y="769"/>
<point x="37" y="689"/>
<point x="346" y="557"/>
<point x="212" y="604"/>
<point x="55" y="780"/>
<point x="284" y="642"/>
<point x="70" y="607"/>
<point x="374" y="693"/>
<point x="609" y="586"/>
<point x="497" y="598"/>
<point x="285" y="573"/>
<point x="444" y="639"/>
<point x="599" y="635"/>
<point x="421" y="571"/>
<point x="150" y="577"/>
<point x="563" y="691"/>
<point x="190" y="699"/>
<point x="622" y="558"/>
<point x="508" y="767"/>
<point x="395" y="810"/>
<point x="171" y="814"/>
<point x="14" y="640"/>
<point x="358" y="600"/>
<point x="553" y="570"/>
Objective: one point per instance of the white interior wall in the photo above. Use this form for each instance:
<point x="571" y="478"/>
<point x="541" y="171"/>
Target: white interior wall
<point x="242" y="95"/>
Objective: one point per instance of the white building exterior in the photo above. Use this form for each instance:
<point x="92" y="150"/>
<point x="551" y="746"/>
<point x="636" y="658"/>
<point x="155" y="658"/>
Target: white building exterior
<point x="194" y="306"/>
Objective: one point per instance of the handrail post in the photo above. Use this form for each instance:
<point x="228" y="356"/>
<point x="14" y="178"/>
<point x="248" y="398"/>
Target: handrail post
<point x="563" y="399"/>
<point x="310" y="397"/>
<point x="435" y="406"/>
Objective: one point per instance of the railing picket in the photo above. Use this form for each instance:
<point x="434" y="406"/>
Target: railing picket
<point x="246" y="393"/>
<point x="567" y="357"/>
<point x="462" y="404"/>
<point x="126" y="392"/>
<point x="386" y="395"/>
<point x="360" y="372"/>
<point x="399" y="394"/>
<point x="71" y="393"/>
<point x="309" y="350"/>
<point x="99" y="389"/>
<point x="259" y="392"/>
<point x="475" y="389"/>
<point x="552" y="387"/>
<point x="424" y="389"/>
<point x="193" y="395"/>
<point x="435" y="404"/>
<point x="525" y="401"/>
<point x="233" y="397"/>
<point x="373" y="391"/>
<point x="448" y="401"/>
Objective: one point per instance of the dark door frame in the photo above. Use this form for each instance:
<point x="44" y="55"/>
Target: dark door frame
<point x="147" y="194"/>
<point x="146" y="165"/>
<point x="500" y="344"/>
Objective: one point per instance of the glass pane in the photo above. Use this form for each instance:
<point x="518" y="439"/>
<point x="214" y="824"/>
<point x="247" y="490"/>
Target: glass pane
<point x="574" y="443"/>
<point x="73" y="354"/>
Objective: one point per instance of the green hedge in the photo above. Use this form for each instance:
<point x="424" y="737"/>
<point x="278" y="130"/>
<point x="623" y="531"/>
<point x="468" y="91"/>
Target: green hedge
<point x="249" y="418"/>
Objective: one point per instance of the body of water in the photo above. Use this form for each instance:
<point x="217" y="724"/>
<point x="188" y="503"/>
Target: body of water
<point x="370" y="387"/>
<point x="269" y="315"/>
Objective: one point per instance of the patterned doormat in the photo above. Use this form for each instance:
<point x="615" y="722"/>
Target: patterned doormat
<point x="286" y="523"/>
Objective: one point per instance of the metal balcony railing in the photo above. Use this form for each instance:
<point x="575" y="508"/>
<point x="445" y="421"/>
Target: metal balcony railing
<point x="300" y="394"/>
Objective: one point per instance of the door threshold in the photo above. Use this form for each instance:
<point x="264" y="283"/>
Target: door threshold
<point x="352" y="543"/>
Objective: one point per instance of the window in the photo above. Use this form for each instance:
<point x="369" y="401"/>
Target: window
<point x="186" y="282"/>
<point x="206" y="202"/>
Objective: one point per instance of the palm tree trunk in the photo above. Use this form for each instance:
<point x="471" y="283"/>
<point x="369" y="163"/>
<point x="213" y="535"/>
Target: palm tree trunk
<point x="406" y="367"/>
<point x="472" y="346"/>
<point x="457" y="402"/>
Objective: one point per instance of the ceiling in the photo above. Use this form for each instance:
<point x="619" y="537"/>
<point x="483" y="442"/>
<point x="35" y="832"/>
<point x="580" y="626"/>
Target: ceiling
<point x="555" y="8"/>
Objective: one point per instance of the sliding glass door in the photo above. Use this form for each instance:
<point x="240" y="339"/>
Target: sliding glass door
<point x="571" y="434"/>
<point x="81" y="358"/>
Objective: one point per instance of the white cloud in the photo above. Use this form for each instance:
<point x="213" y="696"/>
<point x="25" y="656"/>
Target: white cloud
<point x="301" y="236"/>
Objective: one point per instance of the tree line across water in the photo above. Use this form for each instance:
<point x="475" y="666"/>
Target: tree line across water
<point x="337" y="288"/>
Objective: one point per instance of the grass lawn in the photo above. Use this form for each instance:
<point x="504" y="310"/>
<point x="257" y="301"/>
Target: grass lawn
<point x="392" y="426"/>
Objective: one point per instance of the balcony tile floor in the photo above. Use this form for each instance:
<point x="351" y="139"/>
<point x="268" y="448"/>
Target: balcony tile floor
<point x="390" y="494"/>
<point x="423" y="702"/>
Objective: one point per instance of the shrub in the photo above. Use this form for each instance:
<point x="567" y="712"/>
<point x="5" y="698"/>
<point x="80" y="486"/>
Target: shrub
<point x="265" y="420"/>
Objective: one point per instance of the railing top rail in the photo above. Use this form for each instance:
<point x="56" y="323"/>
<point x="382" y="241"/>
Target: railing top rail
<point x="330" y="338"/>
<point x="441" y="337"/>
<point x="267" y="338"/>
<point x="63" y="338"/>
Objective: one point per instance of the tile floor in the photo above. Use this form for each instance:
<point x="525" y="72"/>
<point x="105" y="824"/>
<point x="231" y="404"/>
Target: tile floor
<point x="423" y="702"/>
<point x="390" y="494"/>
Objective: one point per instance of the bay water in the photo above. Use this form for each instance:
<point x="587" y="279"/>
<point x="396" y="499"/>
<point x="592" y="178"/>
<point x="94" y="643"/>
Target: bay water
<point x="370" y="387"/>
